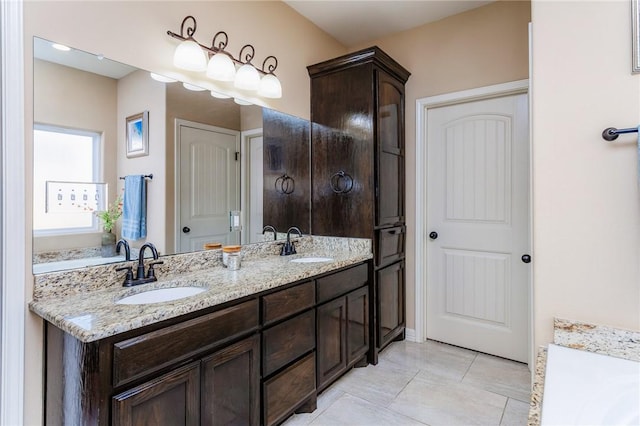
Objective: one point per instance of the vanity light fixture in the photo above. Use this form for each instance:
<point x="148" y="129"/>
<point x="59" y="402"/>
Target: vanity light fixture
<point x="221" y="64"/>
<point x="162" y="78"/>
<point x="219" y="95"/>
<point x="193" y="87"/>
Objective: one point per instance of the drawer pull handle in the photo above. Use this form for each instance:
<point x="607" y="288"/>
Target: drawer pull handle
<point x="341" y="182"/>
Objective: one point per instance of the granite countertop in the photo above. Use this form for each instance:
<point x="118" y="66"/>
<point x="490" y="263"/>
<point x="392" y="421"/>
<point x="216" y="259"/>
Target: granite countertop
<point x="92" y="314"/>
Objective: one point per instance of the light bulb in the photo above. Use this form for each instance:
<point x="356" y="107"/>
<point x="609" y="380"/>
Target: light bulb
<point x="221" y="68"/>
<point x="193" y="87"/>
<point x="270" y="87"/>
<point x="189" y="56"/>
<point x="219" y="95"/>
<point x="247" y="78"/>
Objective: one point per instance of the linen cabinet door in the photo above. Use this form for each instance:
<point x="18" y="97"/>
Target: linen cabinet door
<point x="390" y="151"/>
<point x="357" y="324"/>
<point x="171" y="399"/>
<point x="390" y="304"/>
<point x="231" y="385"/>
<point x="331" y="346"/>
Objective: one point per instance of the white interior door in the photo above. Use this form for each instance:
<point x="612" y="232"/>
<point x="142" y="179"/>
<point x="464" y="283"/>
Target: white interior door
<point x="478" y="204"/>
<point x="208" y="185"/>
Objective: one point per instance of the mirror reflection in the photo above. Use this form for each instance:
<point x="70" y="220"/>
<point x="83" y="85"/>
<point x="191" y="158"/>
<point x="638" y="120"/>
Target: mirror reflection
<point x="206" y="174"/>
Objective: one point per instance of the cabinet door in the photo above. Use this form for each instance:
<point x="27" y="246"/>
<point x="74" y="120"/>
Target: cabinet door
<point x="171" y="399"/>
<point x="231" y="385"/>
<point x="331" y="346"/>
<point x="390" y="304"/>
<point x="390" y="171"/>
<point x="358" y="324"/>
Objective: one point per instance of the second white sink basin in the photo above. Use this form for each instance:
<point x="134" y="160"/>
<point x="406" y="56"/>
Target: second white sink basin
<point x="311" y="259"/>
<point x="160" y="295"/>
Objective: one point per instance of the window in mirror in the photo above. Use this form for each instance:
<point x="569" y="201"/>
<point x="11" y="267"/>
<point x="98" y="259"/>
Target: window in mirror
<point x="64" y="155"/>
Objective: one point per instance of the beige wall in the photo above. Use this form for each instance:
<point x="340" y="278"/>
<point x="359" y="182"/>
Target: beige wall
<point x="586" y="199"/>
<point x="135" y="33"/>
<point x="71" y="98"/>
<point x="481" y="47"/>
<point x="137" y="93"/>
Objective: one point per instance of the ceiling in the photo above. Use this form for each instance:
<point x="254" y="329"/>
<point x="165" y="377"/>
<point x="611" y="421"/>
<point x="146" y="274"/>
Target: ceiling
<point x="353" y="22"/>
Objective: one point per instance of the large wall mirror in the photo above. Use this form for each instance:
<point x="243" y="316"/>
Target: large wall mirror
<point x="207" y="157"/>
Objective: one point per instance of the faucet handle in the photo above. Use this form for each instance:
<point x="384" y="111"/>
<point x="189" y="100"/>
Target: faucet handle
<point x="128" y="279"/>
<point x="152" y="273"/>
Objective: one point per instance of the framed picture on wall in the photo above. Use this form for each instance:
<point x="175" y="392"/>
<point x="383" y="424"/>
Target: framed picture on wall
<point x="635" y="41"/>
<point x="138" y="135"/>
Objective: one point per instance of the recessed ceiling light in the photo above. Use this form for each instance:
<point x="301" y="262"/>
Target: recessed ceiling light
<point x="61" y="47"/>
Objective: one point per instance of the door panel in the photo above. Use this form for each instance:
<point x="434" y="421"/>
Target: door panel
<point x="478" y="203"/>
<point x="209" y="185"/>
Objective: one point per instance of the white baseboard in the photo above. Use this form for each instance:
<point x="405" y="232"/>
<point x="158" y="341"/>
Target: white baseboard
<point x="410" y="334"/>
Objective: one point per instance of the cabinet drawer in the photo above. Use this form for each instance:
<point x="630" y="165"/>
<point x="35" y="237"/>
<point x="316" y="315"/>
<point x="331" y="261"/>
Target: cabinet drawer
<point x="342" y="282"/>
<point x="390" y="245"/>
<point x="141" y="355"/>
<point x="287" y="341"/>
<point x="288" y="302"/>
<point x="285" y="391"/>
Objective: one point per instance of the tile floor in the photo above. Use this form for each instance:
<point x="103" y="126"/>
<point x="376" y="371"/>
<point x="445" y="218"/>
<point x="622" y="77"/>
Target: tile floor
<point x="426" y="384"/>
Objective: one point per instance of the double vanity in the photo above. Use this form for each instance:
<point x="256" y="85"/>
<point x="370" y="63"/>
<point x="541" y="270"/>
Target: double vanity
<point x="251" y="346"/>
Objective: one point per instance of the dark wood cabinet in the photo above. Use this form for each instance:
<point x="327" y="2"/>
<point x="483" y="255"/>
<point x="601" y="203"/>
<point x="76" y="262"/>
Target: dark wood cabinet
<point x="390" y="290"/>
<point x="171" y="399"/>
<point x="231" y="385"/>
<point x="287" y="180"/>
<point x="343" y="334"/>
<point x="255" y="361"/>
<point x="358" y="161"/>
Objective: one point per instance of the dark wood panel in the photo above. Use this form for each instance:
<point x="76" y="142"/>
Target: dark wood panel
<point x="231" y="385"/>
<point x="357" y="324"/>
<point x="390" y="177"/>
<point x="171" y="399"/>
<point x="287" y="390"/>
<point x="331" y="345"/>
<point x="136" y="357"/>
<point x="288" y="302"/>
<point x="391" y="309"/>
<point x="342" y="282"/>
<point x="389" y="245"/>
<point x="342" y="114"/>
<point x="287" y="341"/>
<point x="286" y="157"/>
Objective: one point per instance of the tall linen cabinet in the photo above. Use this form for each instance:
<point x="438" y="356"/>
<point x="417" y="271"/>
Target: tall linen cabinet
<point x="358" y="171"/>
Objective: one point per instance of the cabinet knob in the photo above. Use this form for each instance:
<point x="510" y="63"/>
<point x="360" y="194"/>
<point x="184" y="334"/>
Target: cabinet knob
<point x="433" y="235"/>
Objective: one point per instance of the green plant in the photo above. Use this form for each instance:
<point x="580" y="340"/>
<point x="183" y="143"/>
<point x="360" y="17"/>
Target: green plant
<point x="111" y="215"/>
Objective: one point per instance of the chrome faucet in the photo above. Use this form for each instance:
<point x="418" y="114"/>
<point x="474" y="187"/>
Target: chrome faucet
<point x="272" y="229"/>
<point x="288" y="247"/>
<point x="140" y="278"/>
<point x="127" y="249"/>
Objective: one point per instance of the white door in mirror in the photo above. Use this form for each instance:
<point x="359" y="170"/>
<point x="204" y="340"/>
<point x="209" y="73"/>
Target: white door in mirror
<point x="160" y="295"/>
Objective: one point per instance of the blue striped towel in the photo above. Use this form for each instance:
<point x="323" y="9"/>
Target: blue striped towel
<point x="134" y="210"/>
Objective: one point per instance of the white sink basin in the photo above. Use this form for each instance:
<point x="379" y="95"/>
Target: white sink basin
<point x="160" y="295"/>
<point x="312" y="259"/>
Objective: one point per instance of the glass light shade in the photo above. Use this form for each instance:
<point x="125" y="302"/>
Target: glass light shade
<point x="270" y="87"/>
<point x="241" y="101"/>
<point x="193" y="87"/>
<point x="162" y="78"/>
<point x="219" y="95"/>
<point x="221" y="68"/>
<point x="189" y="56"/>
<point x="60" y="47"/>
<point x="247" y="78"/>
